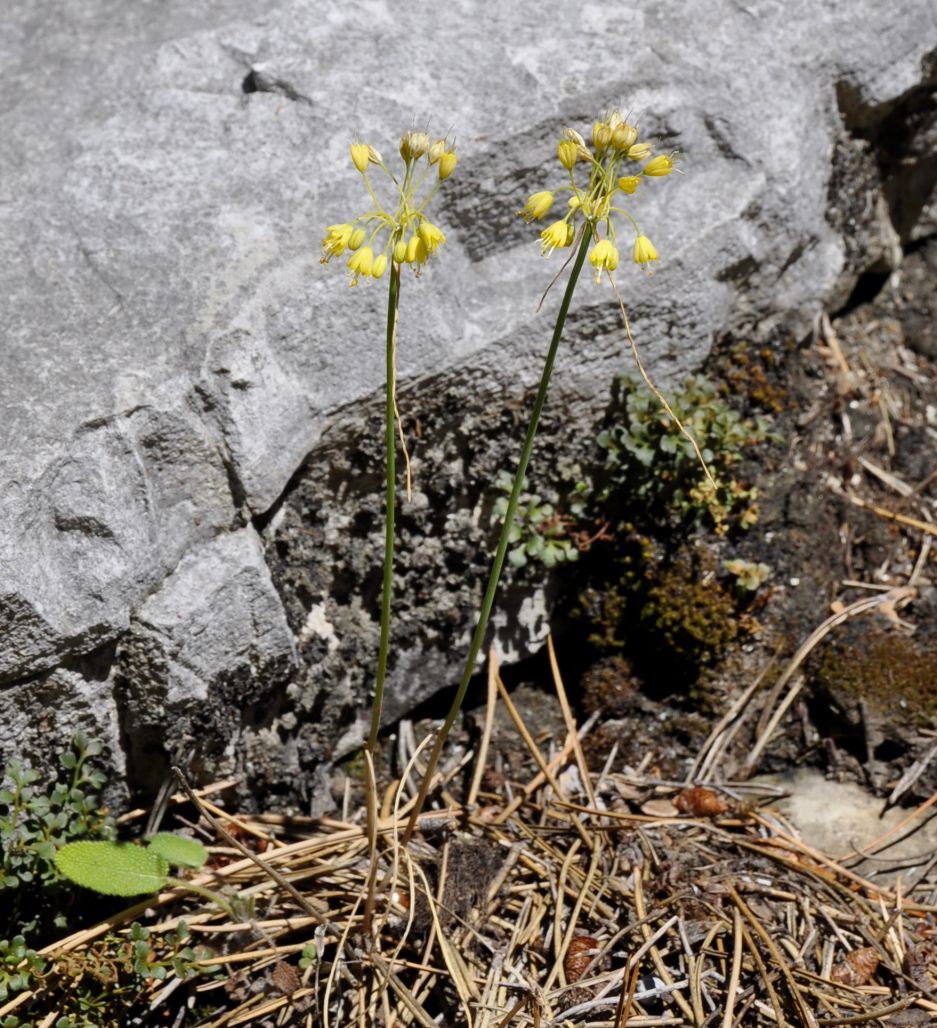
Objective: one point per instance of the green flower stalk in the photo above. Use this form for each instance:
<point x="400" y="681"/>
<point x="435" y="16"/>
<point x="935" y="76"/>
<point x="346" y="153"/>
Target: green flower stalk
<point x="390" y="235"/>
<point x="593" y="204"/>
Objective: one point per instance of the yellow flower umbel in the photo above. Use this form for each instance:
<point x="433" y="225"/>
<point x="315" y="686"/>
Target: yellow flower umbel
<point x="614" y="173"/>
<point x="400" y="233"/>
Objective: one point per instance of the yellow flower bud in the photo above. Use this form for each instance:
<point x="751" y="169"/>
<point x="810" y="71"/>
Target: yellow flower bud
<point x="629" y="183"/>
<point x="379" y="266"/>
<point x="568" y="153"/>
<point x="639" y="151"/>
<point x="572" y="136"/>
<point x="400" y="251"/>
<point x="357" y="238"/>
<point x="601" y="135"/>
<point x="447" y="164"/>
<point x="537" y="206"/>
<point x="614" y="120"/>
<point x="644" y="251"/>
<point x="360" y="156"/>
<point x="431" y="236"/>
<point x="623" y="135"/>
<point x="658" y="166"/>
<point x="437" y="150"/>
<point x="416" y="250"/>
<point x="574" y="203"/>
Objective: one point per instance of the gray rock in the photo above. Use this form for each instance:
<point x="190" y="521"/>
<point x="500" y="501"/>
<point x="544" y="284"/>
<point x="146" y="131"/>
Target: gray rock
<point x="202" y="668"/>
<point x="175" y="361"/>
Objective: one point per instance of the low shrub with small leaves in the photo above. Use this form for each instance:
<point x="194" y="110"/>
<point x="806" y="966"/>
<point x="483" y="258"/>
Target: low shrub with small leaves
<point x="110" y="983"/>
<point x="538" y="531"/>
<point x="36" y="819"/>
<point x="647" y="458"/>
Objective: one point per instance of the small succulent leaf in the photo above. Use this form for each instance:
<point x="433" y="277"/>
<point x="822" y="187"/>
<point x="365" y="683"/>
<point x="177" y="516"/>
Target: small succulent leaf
<point x="177" y="849"/>
<point x="112" y="868"/>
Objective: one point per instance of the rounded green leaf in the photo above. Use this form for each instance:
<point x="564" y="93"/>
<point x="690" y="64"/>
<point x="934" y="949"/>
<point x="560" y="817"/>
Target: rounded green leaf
<point x="113" y="868"/>
<point x="178" y="849"/>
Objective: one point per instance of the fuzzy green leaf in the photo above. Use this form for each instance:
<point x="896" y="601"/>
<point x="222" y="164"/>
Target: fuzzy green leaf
<point x="177" y="849"/>
<point x="112" y="868"/>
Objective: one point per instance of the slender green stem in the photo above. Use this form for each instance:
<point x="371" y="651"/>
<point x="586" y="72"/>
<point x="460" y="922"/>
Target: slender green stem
<point x="482" y="626"/>
<point x="390" y="441"/>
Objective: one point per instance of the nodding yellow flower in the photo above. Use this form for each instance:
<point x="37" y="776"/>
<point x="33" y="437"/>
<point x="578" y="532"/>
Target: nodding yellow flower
<point x="379" y="266"/>
<point x="595" y="194"/>
<point x="537" y="206"/>
<point x="568" y="153"/>
<point x="559" y="234"/>
<point x="360" y="156"/>
<point x="659" y="166"/>
<point x="357" y="238"/>
<point x="413" y="145"/>
<point x="644" y="251"/>
<point x="624" y="135"/>
<point x="361" y="263"/>
<point x="603" y="257"/>
<point x="431" y="236"/>
<point x="336" y="241"/>
<point x="447" y="164"/>
<point x="400" y="251"/>
<point x="416" y="250"/>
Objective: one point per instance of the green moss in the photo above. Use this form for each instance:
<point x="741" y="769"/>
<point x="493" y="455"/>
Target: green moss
<point x="674" y="617"/>
<point x="890" y="672"/>
<point x="754" y="373"/>
<point x="693" y="617"/>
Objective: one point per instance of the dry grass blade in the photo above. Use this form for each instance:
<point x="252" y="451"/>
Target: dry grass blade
<point x="683" y="921"/>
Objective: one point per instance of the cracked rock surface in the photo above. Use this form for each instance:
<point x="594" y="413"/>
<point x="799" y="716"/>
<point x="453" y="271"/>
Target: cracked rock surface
<point x="189" y="455"/>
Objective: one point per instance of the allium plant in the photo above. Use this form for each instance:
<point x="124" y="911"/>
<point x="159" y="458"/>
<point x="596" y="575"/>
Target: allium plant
<point x="599" y="179"/>
<point x="390" y="236"/>
<point x="384" y="238"/>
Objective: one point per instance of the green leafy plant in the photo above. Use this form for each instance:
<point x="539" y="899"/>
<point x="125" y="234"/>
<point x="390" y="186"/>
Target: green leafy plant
<point x="103" y="984"/>
<point x="36" y="819"/>
<point x="646" y="456"/>
<point x="124" y="869"/>
<point x="34" y="822"/>
<point x="537" y="532"/>
<point x="18" y="966"/>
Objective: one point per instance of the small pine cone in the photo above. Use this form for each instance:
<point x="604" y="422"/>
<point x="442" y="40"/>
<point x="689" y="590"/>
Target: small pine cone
<point x="699" y="802"/>
<point x="582" y="948"/>
<point x="857" y="968"/>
